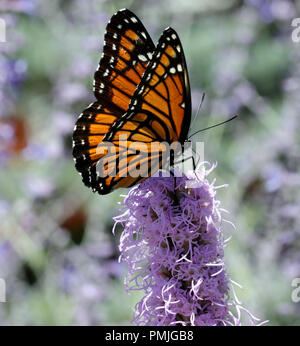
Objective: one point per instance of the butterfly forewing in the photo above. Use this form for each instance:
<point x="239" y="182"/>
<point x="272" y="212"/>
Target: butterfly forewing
<point x="126" y="54"/>
<point x="165" y="90"/>
<point x="159" y="111"/>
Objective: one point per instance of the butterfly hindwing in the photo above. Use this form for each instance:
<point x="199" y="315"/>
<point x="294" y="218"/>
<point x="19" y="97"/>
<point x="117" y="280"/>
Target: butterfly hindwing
<point x="90" y="128"/>
<point x="126" y="54"/>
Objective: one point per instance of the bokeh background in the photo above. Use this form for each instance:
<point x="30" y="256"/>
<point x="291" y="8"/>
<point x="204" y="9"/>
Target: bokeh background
<point x="57" y="252"/>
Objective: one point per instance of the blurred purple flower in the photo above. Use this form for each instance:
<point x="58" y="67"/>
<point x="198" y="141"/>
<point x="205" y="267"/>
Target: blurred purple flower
<point x="11" y="78"/>
<point x="173" y="245"/>
<point x="39" y="187"/>
<point x="13" y="71"/>
<point x="25" y="6"/>
<point x="42" y="152"/>
<point x="270" y="10"/>
<point x="63" y="122"/>
<point x="16" y="72"/>
<point x="6" y="138"/>
<point x="71" y="92"/>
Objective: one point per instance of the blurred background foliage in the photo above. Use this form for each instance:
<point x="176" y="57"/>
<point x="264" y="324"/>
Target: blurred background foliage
<point x="57" y="253"/>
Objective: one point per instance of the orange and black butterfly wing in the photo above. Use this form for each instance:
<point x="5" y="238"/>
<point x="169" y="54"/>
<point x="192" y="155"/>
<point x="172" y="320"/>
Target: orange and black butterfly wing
<point x="92" y="125"/>
<point x="160" y="111"/>
<point x="126" y="54"/>
<point x="164" y="92"/>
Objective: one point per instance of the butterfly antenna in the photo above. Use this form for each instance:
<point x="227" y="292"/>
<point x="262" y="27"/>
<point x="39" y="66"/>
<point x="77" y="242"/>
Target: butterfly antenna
<point x="200" y="105"/>
<point x="210" y="127"/>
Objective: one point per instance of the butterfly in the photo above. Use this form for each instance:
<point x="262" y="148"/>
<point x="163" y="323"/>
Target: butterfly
<point x="142" y="97"/>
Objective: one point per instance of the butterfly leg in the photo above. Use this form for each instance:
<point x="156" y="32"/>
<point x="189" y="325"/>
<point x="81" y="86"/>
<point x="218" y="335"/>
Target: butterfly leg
<point x="187" y="158"/>
<point x="176" y="202"/>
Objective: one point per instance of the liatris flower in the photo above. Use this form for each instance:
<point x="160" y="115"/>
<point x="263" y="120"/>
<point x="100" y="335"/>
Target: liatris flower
<point x="173" y="245"/>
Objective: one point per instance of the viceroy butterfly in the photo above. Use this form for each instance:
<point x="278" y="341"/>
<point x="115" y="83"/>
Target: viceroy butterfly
<point x="142" y="92"/>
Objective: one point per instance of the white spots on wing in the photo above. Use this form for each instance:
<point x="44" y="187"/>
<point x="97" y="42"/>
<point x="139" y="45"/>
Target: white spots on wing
<point x="163" y="45"/>
<point x="173" y="70"/>
<point x="182" y="105"/>
<point x="149" y="55"/>
<point x="173" y="36"/>
<point x="179" y="68"/>
<point x="90" y="116"/>
<point x="119" y="26"/>
<point x="120" y="124"/>
<point x="148" y="77"/>
<point x="102" y="85"/>
<point x="142" y="57"/>
<point x="141" y="89"/>
<point x="114" y="47"/>
<point x="168" y="38"/>
<point x="115" y="36"/>
<point x="144" y="34"/>
<point x="126" y="20"/>
<point x="133" y="62"/>
<point x="112" y="59"/>
<point x="134" y="20"/>
<point x="178" y="49"/>
<point x="109" y="136"/>
<point x="106" y="73"/>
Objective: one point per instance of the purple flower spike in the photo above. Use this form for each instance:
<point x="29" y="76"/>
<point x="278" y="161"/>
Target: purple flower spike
<point x="173" y="245"/>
